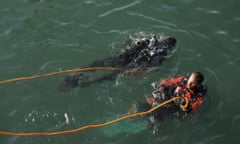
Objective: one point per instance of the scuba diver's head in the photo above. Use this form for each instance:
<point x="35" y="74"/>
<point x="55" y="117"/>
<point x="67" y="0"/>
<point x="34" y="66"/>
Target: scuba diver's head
<point x="144" y="50"/>
<point x="195" y="80"/>
<point x="151" y="42"/>
<point x="143" y="42"/>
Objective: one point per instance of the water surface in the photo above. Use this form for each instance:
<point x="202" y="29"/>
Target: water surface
<point x="41" y="36"/>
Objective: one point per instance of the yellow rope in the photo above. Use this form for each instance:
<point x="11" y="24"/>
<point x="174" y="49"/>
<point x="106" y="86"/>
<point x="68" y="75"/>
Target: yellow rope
<point x="84" y="127"/>
<point x="58" y="72"/>
<point x="184" y="105"/>
<point x="88" y="126"/>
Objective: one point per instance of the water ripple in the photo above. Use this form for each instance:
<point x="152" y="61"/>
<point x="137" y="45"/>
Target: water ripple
<point x="168" y="7"/>
<point x="97" y="4"/>
<point x="36" y="1"/>
<point x="173" y="29"/>
<point x="236" y="40"/>
<point x="12" y="68"/>
<point x="221" y="32"/>
<point x="45" y="65"/>
<point x="6" y="32"/>
<point x="236" y="120"/>
<point x="7" y="56"/>
<point x="153" y="19"/>
<point x="237" y="18"/>
<point x="213" y="12"/>
<point x="201" y="35"/>
<point x="215" y="137"/>
<point x="120" y="8"/>
<point x="208" y="11"/>
<point x="61" y="43"/>
<point x="211" y="71"/>
<point x="112" y="31"/>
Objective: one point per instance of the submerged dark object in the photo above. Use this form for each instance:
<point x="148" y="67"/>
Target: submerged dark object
<point x="141" y="51"/>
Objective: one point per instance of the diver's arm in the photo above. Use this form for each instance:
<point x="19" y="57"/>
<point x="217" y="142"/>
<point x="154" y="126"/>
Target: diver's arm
<point x="197" y="103"/>
<point x="200" y="99"/>
<point x="170" y="82"/>
<point x="98" y="78"/>
<point x="83" y="80"/>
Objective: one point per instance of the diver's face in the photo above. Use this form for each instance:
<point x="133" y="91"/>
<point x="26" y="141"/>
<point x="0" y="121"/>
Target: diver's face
<point x="192" y="83"/>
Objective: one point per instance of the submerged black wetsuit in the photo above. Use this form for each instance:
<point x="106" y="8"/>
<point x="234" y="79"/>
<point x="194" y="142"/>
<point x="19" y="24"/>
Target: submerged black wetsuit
<point x="140" y="52"/>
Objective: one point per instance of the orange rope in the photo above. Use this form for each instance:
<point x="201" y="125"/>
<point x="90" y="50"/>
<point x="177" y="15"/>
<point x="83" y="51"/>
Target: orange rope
<point x="58" y="72"/>
<point x="88" y="126"/>
<point x="184" y="105"/>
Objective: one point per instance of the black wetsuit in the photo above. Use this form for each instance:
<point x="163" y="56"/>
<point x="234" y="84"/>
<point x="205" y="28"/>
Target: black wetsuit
<point x="140" y="52"/>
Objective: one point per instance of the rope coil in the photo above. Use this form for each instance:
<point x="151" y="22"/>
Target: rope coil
<point x="185" y="104"/>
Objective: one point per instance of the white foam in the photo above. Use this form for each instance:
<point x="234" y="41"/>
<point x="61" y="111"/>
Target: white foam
<point x="66" y="117"/>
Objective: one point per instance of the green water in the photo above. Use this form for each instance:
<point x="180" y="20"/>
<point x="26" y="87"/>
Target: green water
<point x="40" y="36"/>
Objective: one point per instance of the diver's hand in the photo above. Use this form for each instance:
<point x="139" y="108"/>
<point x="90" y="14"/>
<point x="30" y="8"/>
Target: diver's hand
<point x="150" y="100"/>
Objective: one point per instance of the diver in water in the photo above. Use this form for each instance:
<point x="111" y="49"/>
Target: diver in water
<point x="189" y="88"/>
<point x="142" y="51"/>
